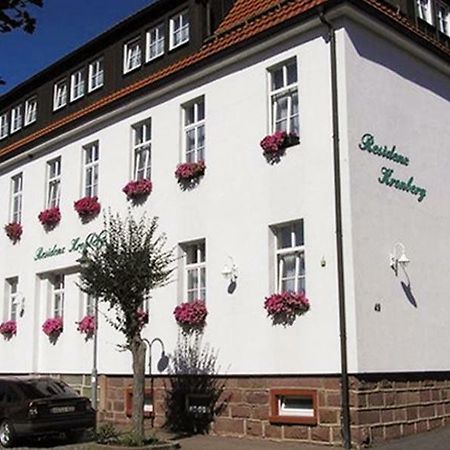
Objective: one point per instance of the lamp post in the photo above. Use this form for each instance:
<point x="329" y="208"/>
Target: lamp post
<point x="84" y="262"/>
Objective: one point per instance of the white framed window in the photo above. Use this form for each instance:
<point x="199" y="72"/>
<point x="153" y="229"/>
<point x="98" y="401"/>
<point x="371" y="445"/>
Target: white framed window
<point x="16" y="118"/>
<point x="194" y="130"/>
<point x="195" y="271"/>
<point x="89" y="305"/>
<point x="57" y="295"/>
<point x="132" y="55"/>
<point x="424" y="10"/>
<point x="90" y="171"/>
<point x="283" y="93"/>
<point x="4" y="126"/>
<point x="293" y="406"/>
<point x="53" y="183"/>
<point x="12" y="298"/>
<point x="155" y="42"/>
<point x="95" y="75"/>
<point x="77" y="85"/>
<point x="443" y="17"/>
<point x="16" y="198"/>
<point x="179" y="29"/>
<point x="142" y="149"/>
<point x="290" y="257"/>
<point x="60" y="94"/>
<point x="30" y="110"/>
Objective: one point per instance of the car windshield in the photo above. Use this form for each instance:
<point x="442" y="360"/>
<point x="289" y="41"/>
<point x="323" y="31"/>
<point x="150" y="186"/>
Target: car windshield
<point x="42" y="388"/>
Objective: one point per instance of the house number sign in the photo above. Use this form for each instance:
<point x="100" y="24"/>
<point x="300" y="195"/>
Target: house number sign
<point x="93" y="240"/>
<point x="388" y="177"/>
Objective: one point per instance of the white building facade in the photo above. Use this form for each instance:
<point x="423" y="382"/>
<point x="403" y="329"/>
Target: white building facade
<point x="274" y="221"/>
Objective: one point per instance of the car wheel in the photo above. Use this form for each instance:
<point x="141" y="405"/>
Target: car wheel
<point x="6" y="434"/>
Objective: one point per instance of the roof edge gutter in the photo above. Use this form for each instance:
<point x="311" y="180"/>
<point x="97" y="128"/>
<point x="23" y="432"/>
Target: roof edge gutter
<point x="345" y="405"/>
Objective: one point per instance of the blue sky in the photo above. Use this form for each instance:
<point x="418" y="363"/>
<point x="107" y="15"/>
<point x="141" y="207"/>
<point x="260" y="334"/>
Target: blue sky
<point x="62" y="26"/>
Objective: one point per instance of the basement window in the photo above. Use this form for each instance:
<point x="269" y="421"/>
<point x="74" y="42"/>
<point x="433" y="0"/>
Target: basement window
<point x="295" y="406"/>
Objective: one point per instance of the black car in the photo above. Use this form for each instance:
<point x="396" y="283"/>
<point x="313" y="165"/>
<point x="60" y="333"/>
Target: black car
<point x="31" y="406"/>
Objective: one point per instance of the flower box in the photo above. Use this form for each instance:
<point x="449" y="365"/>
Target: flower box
<point x="87" y="326"/>
<point x="8" y="329"/>
<point x="285" y="307"/>
<point x="274" y="144"/>
<point x="53" y="327"/>
<point x="191" y="315"/>
<point x="14" y="231"/>
<point x="189" y="173"/>
<point x="87" y="207"/>
<point x="50" y="217"/>
<point x="137" y="190"/>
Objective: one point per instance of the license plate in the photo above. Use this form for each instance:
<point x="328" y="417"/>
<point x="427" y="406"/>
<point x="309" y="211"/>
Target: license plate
<point x="62" y="409"/>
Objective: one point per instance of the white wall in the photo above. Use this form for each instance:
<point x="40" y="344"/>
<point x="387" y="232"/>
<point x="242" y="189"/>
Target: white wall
<point x="402" y="101"/>
<point x="240" y="196"/>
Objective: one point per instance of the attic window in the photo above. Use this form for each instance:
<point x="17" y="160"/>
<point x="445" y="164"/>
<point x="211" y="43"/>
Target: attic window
<point x="132" y="55"/>
<point x="60" y="94"/>
<point x="179" y="29"/>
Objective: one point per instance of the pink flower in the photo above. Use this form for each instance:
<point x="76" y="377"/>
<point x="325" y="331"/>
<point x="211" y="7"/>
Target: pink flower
<point x="286" y="303"/>
<point x="87" y="325"/>
<point x="190" y="171"/>
<point x="14" y="231"/>
<point x="53" y="327"/>
<point x="87" y="207"/>
<point x="273" y="144"/>
<point x="50" y="217"/>
<point x="8" y="329"/>
<point x="138" y="189"/>
<point x="191" y="314"/>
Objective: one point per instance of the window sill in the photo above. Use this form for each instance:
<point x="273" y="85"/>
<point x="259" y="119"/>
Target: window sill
<point x="181" y="44"/>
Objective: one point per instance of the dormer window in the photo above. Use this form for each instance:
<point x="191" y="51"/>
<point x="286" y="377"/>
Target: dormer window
<point x="179" y="29"/>
<point x="4" y="126"/>
<point x="77" y="85"/>
<point x="95" y="75"/>
<point x="443" y="17"/>
<point x="132" y="55"/>
<point x="30" y="111"/>
<point x="16" y="118"/>
<point x="155" y="42"/>
<point x="424" y="10"/>
<point x="60" y="95"/>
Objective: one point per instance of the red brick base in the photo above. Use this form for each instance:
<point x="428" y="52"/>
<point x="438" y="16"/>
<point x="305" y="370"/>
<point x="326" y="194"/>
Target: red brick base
<point x="382" y="407"/>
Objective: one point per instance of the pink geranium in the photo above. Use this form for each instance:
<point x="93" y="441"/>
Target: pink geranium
<point x="191" y="314"/>
<point x="187" y="172"/>
<point x="53" y="327"/>
<point x="13" y="231"/>
<point x="50" y="217"/>
<point x="274" y="144"/>
<point x="138" y="189"/>
<point x="286" y="304"/>
<point x="8" y="329"/>
<point x="87" y="207"/>
<point x="87" y="325"/>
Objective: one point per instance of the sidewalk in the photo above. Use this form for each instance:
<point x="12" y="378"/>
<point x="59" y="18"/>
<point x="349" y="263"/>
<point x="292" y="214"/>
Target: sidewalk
<point x="432" y="440"/>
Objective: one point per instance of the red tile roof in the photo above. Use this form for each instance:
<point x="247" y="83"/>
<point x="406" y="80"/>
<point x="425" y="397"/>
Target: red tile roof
<point x="245" y="20"/>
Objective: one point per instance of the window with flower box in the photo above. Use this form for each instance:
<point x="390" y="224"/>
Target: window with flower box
<point x="77" y="85"/>
<point x="155" y="42"/>
<point x="283" y="93"/>
<point x="90" y="171"/>
<point x="195" y="271"/>
<point x="194" y="131"/>
<point x="4" y="129"/>
<point x="142" y="149"/>
<point x="132" y="55"/>
<point x="30" y="111"/>
<point x="443" y="17"/>
<point x="290" y="257"/>
<point x="57" y="295"/>
<point x="95" y="75"/>
<point x="424" y="10"/>
<point x="60" y="95"/>
<point x="12" y="298"/>
<point x="15" y="215"/>
<point x="53" y="183"/>
<point x="179" y="29"/>
<point x="16" y="118"/>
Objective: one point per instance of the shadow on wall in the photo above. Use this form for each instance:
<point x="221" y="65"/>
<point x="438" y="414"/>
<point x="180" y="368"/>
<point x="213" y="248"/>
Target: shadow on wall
<point x="193" y="391"/>
<point x="409" y="295"/>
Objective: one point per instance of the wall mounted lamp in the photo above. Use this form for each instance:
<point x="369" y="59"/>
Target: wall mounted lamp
<point x="398" y="258"/>
<point x="230" y="271"/>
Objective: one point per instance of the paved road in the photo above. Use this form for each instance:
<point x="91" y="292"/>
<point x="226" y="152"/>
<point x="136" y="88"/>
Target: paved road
<point x="433" y="440"/>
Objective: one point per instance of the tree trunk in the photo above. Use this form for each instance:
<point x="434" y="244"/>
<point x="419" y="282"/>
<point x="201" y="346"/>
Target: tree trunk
<point x="138" y="351"/>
